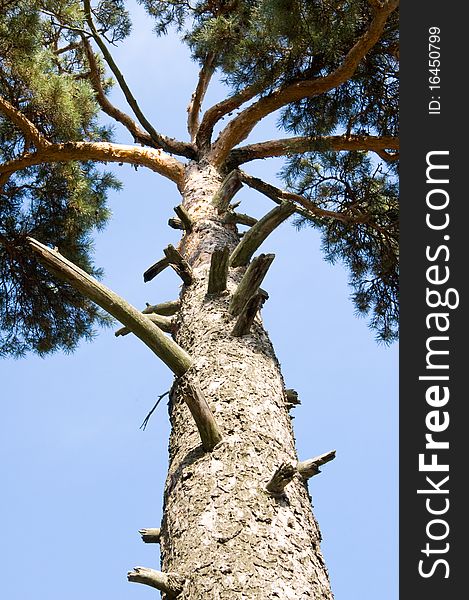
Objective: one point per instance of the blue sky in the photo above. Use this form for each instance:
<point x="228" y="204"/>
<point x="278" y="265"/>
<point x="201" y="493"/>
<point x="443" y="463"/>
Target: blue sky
<point x="78" y="476"/>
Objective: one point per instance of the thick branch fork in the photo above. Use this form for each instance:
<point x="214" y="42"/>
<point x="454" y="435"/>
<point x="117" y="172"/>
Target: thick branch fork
<point x="165" y="348"/>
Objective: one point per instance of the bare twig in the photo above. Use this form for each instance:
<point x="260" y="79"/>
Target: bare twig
<point x="147" y="418"/>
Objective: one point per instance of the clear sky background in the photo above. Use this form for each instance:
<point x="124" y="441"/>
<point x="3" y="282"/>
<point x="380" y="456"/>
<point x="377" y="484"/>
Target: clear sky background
<point x="78" y="476"/>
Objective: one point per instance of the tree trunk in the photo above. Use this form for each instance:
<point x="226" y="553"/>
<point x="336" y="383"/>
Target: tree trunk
<point x="222" y="530"/>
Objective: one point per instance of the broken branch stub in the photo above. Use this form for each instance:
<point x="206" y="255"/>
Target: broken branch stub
<point x="155" y="269"/>
<point x="184" y="217"/>
<point x="249" y="284"/>
<point x="178" y="263"/>
<point x="248" y="314"/>
<point x="258" y="233"/>
<point x="165" y="348"/>
<point x="150" y="536"/>
<point x="218" y="271"/>
<point x="169" y="583"/>
<point x="171" y="307"/>
<point x="164" y="323"/>
<point x="309" y="468"/>
<point x="205" y="421"/>
<point x="281" y="478"/>
<point x="229" y="187"/>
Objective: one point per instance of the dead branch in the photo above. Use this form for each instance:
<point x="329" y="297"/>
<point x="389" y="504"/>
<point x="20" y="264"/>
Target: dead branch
<point x="258" y="233"/>
<point x="166" y="324"/>
<point x="249" y="284"/>
<point x="177" y="262"/>
<point x="248" y="314"/>
<point x="169" y="583"/>
<point x="155" y="269"/>
<point x="309" y="468"/>
<point x="171" y="307"/>
<point x="281" y="478"/>
<point x="150" y="536"/>
<point x="193" y="110"/>
<point x="184" y="217"/>
<point x="165" y="348"/>
<point x="205" y="421"/>
<point x="226" y="192"/>
<point x="218" y="271"/>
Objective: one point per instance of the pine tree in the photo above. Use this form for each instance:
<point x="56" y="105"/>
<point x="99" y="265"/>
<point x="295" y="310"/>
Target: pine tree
<point x="236" y="501"/>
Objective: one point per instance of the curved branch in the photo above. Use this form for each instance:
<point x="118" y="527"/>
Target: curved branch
<point x="219" y="110"/>
<point x="193" y="110"/>
<point x="29" y="130"/>
<point x="167" y="144"/>
<point x="306" y="208"/>
<point x="298" y="145"/>
<point x="137" y="133"/>
<point x="165" y="348"/>
<point x="154" y="159"/>
<point x="241" y="126"/>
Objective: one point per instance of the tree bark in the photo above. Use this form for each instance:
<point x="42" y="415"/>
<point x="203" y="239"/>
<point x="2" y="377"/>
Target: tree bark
<point x="222" y="531"/>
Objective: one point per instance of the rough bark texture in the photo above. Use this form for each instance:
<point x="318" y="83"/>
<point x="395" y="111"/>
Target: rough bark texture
<point x="222" y="531"/>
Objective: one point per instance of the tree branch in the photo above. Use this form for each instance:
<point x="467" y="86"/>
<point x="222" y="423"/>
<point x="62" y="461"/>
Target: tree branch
<point x="205" y="421"/>
<point x="164" y="323"/>
<point x="229" y="187"/>
<point x="29" y="130"/>
<point x="298" y="145"/>
<point x="177" y="262"/>
<point x="166" y="349"/>
<point x="138" y="134"/>
<point x="219" y="110"/>
<point x="309" y="468"/>
<point x="169" y="583"/>
<point x="164" y="308"/>
<point x="241" y="126"/>
<point x="167" y="144"/>
<point x="248" y="314"/>
<point x="150" y="536"/>
<point x="258" y="233"/>
<point x="307" y="208"/>
<point x="249" y="284"/>
<point x="281" y="478"/>
<point x="153" y="159"/>
<point x="218" y="274"/>
<point x="193" y="110"/>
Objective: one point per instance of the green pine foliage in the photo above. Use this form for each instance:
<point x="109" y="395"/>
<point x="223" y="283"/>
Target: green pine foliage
<point x="59" y="204"/>
<point x="261" y="44"/>
<point x="271" y="43"/>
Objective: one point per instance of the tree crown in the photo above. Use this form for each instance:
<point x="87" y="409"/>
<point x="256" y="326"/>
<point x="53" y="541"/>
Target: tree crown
<point x="328" y="69"/>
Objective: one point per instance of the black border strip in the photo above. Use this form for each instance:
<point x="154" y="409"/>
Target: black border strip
<point x="434" y="255"/>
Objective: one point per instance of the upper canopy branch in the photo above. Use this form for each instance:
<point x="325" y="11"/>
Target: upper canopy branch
<point x="137" y="133"/>
<point x="154" y="159"/>
<point x="29" y="130"/>
<point x="161" y="141"/>
<point x="193" y="110"/>
<point x="304" y="207"/>
<point x="219" y="110"/>
<point x="241" y="126"/>
<point x="297" y="145"/>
